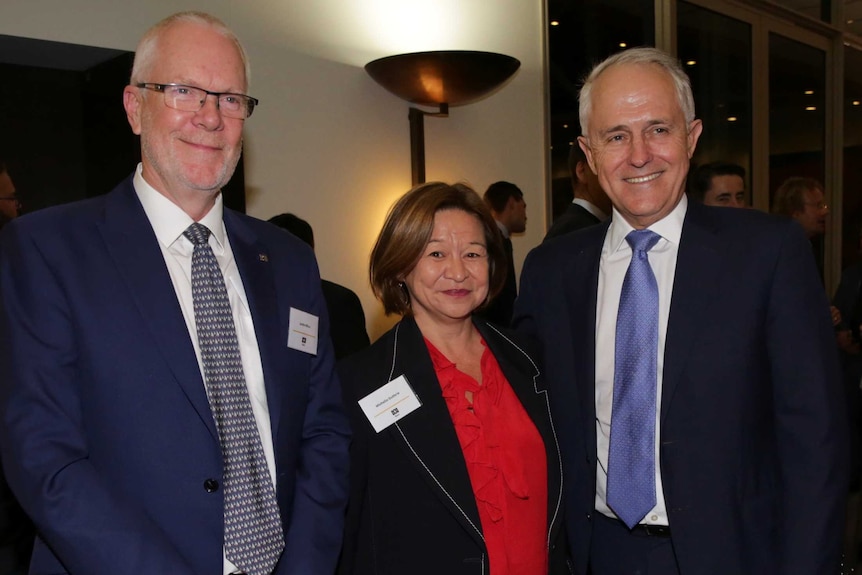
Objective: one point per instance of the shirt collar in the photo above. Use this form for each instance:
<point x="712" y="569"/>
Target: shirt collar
<point x="503" y="229"/>
<point x="669" y="227"/>
<point x="590" y="207"/>
<point x="168" y="220"/>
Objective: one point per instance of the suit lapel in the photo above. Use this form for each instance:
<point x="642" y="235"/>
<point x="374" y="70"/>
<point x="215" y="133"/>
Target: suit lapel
<point x="698" y="267"/>
<point x="522" y="375"/>
<point x="252" y="260"/>
<point x="428" y="435"/>
<point x="581" y="284"/>
<point x="131" y="242"/>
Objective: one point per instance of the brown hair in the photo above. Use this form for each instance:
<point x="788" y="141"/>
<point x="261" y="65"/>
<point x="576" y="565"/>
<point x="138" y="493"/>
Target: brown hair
<point x="408" y="229"/>
<point x="790" y="196"/>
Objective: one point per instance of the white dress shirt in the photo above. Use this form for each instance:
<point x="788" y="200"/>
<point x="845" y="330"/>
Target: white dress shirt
<point x="615" y="258"/>
<point x="169" y="222"/>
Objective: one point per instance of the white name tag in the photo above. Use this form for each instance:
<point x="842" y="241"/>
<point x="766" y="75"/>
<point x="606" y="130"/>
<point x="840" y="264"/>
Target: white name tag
<point x="389" y="403"/>
<point x="303" y="331"/>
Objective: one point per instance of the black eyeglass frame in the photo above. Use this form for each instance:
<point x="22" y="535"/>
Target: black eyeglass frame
<point x="250" y="102"/>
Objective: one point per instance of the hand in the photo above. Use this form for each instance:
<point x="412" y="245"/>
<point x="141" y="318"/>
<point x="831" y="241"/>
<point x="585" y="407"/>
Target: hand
<point x="845" y="342"/>
<point x="836" y="315"/>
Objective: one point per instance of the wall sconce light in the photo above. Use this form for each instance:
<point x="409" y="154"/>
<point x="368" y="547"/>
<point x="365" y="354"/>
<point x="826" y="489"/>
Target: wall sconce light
<point x="440" y="79"/>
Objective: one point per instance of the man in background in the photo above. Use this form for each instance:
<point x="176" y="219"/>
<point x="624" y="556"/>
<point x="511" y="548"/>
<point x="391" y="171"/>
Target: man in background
<point x="803" y="200"/>
<point x="346" y="318"/>
<point x="591" y="204"/>
<point x="509" y="209"/>
<point x="169" y="402"/>
<point x="719" y="184"/>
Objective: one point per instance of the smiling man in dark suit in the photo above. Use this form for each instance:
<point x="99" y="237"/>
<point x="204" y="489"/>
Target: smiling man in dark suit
<point x="169" y="403"/>
<point x="689" y="354"/>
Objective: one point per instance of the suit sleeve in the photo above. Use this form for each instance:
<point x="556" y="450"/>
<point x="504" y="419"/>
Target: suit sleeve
<point x="90" y="527"/>
<point x="810" y="419"/>
<point x="314" y="537"/>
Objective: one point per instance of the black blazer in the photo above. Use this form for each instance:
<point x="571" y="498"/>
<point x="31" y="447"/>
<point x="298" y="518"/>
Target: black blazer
<point x="346" y="319"/>
<point x="412" y="508"/>
<point x="574" y="218"/>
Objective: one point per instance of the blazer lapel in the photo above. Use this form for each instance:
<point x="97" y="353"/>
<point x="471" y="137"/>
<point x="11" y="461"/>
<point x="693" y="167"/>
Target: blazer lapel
<point x="131" y="242"/>
<point x="698" y="267"/>
<point x="523" y="376"/>
<point x="252" y="260"/>
<point x="428" y="434"/>
<point x="581" y="285"/>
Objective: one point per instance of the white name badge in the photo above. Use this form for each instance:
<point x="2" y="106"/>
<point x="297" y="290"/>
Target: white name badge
<point x="389" y="403"/>
<point x="303" y="331"/>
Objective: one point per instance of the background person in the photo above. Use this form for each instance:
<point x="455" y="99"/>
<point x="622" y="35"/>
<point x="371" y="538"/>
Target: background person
<point x="470" y="481"/>
<point x="590" y="205"/>
<point x="509" y="210"/>
<point x="346" y="318"/>
<point x="719" y="184"/>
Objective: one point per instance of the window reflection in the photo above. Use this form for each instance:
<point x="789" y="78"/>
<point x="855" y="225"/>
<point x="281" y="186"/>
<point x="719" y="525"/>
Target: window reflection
<point x="586" y="32"/>
<point x="716" y="52"/>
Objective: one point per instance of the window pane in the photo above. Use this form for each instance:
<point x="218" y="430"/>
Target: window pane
<point x="852" y="196"/>
<point x="587" y="31"/>
<point x="797" y="126"/>
<point x="716" y="52"/>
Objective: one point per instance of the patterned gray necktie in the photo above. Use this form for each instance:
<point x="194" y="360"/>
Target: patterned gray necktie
<point x="253" y="537"/>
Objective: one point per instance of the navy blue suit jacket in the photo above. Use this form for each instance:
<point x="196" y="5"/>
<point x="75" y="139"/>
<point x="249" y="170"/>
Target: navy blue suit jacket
<point x="107" y="436"/>
<point x="753" y="444"/>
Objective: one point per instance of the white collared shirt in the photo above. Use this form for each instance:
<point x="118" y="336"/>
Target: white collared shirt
<point x="615" y="258"/>
<point x="169" y="222"/>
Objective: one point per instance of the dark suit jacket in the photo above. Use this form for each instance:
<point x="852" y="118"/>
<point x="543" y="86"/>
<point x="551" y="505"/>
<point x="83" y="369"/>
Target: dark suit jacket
<point x="574" y="218"/>
<point x="106" y="432"/>
<point x="347" y="320"/>
<point x="412" y="508"/>
<point x="753" y="437"/>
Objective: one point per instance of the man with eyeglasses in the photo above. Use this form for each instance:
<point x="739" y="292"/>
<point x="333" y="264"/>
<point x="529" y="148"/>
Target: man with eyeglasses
<point x="169" y="403"/>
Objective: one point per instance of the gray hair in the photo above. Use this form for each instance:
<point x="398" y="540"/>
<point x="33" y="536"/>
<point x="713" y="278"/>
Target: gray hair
<point x="643" y="55"/>
<point x="147" y="47"/>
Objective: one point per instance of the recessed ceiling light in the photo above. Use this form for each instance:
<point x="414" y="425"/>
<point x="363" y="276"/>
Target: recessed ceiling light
<point x="732" y="118"/>
<point x="623" y="44"/>
<point x="566" y="126"/>
<point x="810" y="108"/>
<point x="809" y="92"/>
<point x="691" y="63"/>
<point x="856" y="102"/>
<point x="555" y="23"/>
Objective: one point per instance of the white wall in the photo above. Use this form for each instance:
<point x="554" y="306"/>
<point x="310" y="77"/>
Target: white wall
<point x="327" y="142"/>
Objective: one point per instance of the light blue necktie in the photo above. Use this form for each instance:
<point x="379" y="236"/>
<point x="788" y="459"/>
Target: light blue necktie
<point x="631" y="459"/>
<point x="253" y="537"/>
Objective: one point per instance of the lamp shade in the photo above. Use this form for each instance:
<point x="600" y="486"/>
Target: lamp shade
<point x="452" y="77"/>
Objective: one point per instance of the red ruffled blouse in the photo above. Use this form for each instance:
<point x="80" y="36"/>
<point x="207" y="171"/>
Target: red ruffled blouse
<point x="506" y="461"/>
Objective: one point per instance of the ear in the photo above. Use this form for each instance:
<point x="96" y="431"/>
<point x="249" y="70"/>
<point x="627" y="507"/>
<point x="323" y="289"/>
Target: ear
<point x="694" y="130"/>
<point x="581" y="171"/>
<point x="133" y="105"/>
<point x="588" y="152"/>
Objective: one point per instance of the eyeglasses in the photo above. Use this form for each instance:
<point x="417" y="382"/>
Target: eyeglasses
<point x="818" y="205"/>
<point x="11" y="199"/>
<point x="192" y="99"/>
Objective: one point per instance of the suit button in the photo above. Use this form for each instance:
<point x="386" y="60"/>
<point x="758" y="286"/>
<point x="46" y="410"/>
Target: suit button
<point x="589" y="517"/>
<point x="211" y="485"/>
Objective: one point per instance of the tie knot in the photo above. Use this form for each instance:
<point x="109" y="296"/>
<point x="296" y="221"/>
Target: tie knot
<point x="642" y="240"/>
<point x="197" y="234"/>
